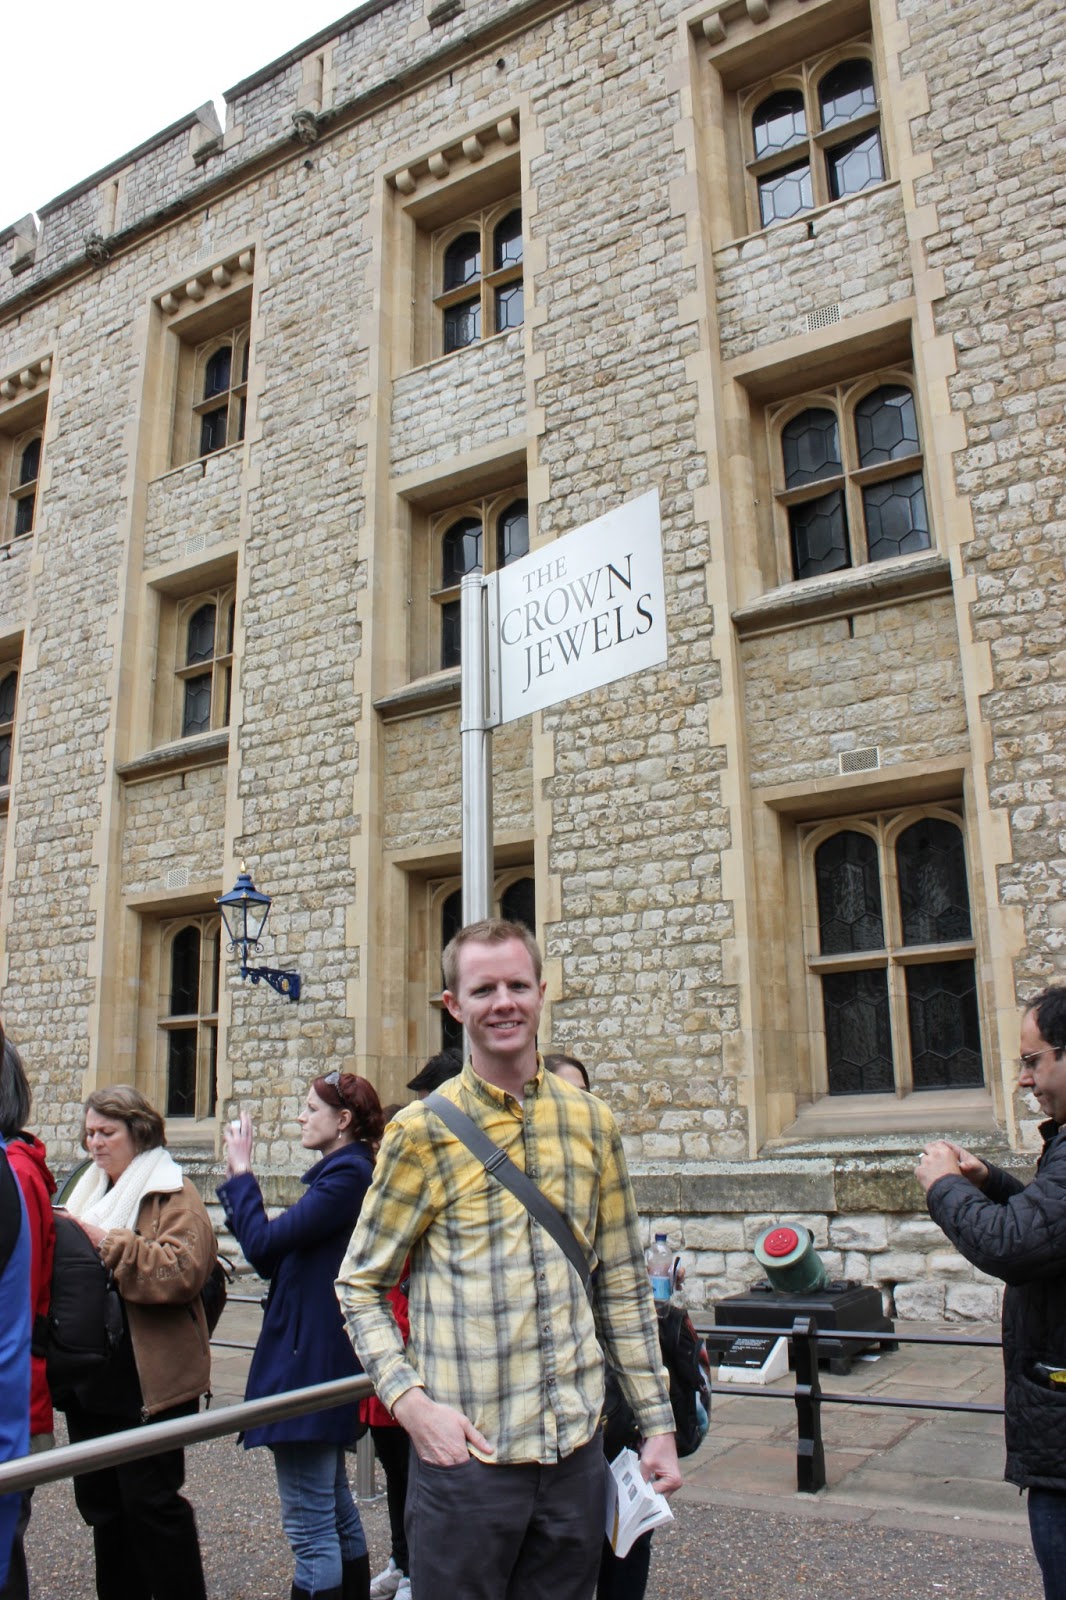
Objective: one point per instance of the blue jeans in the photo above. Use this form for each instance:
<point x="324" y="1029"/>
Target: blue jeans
<point x="1047" y="1528"/>
<point x="318" y="1513"/>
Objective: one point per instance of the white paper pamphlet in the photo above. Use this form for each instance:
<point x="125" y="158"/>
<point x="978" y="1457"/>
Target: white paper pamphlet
<point x="633" y="1506"/>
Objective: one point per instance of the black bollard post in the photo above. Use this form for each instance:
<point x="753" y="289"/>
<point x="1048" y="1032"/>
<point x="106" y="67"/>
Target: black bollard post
<point x="810" y="1456"/>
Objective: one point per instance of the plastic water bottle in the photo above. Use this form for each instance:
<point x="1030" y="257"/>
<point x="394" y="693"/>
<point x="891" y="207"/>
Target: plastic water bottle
<point x="660" y="1263"/>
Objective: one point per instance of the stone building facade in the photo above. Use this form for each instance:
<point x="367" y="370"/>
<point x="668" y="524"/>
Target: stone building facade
<point x="453" y="280"/>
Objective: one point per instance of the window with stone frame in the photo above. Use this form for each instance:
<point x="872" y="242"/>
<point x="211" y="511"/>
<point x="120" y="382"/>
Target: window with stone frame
<point x="482" y="534"/>
<point x="23" y="411"/>
<point x="847" y="470"/>
<point x="9" y="685"/>
<point x="187" y="1026"/>
<point x="812" y="134"/>
<point x="476" y="264"/>
<point x="25" y="472"/>
<point x="220" y="392"/>
<point x="206" y="672"/>
<point x="891" y="956"/>
<point x="515" y="899"/>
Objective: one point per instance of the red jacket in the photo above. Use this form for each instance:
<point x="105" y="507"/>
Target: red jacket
<point x="27" y="1157"/>
<point x="371" y="1411"/>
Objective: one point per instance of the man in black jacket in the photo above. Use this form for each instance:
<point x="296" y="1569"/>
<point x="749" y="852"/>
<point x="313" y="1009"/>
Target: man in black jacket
<point x="1017" y="1232"/>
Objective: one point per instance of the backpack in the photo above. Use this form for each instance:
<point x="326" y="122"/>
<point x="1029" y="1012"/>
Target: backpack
<point x="214" y="1292"/>
<point x="688" y="1368"/>
<point x="84" y="1324"/>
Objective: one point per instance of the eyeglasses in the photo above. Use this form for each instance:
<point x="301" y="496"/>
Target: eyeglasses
<point x="1026" y="1063"/>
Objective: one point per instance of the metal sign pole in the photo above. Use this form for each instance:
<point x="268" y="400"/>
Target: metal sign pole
<point x="476" y="732"/>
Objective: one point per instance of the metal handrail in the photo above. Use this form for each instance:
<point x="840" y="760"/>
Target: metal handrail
<point x="26" y="1472"/>
<point x="809" y="1397"/>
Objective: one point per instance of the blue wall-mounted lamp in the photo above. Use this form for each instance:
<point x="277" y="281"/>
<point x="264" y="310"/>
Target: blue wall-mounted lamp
<point x="244" y="911"/>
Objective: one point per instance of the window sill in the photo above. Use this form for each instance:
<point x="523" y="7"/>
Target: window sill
<point x="454" y="355"/>
<point x="883" y="1119"/>
<point x="202" y="750"/>
<point x="197" y="466"/>
<point x="841" y="594"/>
<point x="431" y="693"/>
<point x="806" y="222"/>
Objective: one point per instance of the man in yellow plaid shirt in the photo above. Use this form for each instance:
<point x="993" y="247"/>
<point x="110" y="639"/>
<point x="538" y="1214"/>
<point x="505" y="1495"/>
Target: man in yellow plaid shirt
<point x="501" y="1384"/>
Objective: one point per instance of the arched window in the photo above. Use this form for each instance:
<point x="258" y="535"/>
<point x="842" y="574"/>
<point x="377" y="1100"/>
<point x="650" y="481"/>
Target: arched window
<point x="189" y="1020"/>
<point x="223" y="390"/>
<point x="24" y="490"/>
<point x="512" y="533"/>
<point x="815" y="140"/>
<point x="464" y="548"/>
<point x="895" y="963"/>
<point x="853" y="488"/>
<point x="206" y="672"/>
<point x="474" y="299"/>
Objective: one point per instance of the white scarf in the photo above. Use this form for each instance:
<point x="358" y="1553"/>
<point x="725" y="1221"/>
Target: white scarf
<point x="151" y="1172"/>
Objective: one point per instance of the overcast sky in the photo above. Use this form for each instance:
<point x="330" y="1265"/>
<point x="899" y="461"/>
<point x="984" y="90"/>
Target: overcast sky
<point x="85" y="83"/>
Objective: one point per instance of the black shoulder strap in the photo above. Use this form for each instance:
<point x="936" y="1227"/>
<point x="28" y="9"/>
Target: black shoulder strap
<point x="10" y="1211"/>
<point x="498" y="1164"/>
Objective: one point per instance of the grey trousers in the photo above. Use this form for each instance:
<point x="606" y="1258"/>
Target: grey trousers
<point x="524" y="1532"/>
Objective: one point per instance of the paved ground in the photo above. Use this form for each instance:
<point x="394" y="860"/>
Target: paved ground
<point x="915" y="1507"/>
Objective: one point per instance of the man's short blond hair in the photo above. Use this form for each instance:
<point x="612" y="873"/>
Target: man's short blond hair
<point x="493" y="930"/>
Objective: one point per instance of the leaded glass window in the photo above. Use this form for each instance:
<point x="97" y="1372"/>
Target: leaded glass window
<point x="189" y="1021"/>
<point x="852" y="485"/>
<point x="206" y="674"/>
<point x="815" y="139"/>
<point x="222" y="403"/>
<point x="895" y="965"/>
<point x="475" y="299"/>
<point x="849" y="894"/>
<point x="24" y="491"/>
<point x="485" y="534"/>
<point x="512" y="533"/>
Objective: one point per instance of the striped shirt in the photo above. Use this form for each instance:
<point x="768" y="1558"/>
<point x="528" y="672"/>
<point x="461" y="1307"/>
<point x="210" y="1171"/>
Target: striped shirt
<point x="501" y="1327"/>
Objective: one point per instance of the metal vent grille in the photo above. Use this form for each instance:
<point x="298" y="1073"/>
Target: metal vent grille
<point x="866" y="760"/>
<point x="194" y="545"/>
<point x="178" y="878"/>
<point x="824" y="317"/>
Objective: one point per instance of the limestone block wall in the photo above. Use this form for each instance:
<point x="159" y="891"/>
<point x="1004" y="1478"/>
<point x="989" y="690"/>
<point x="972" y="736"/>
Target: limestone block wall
<point x="633" y="783"/>
<point x="888" y="678"/>
<point x="193" y="508"/>
<point x="15" y="585"/>
<point x="990" y="134"/>
<point x="469" y="401"/>
<point x="905" y="1256"/>
<point x="853" y="256"/>
<point x="173" y="821"/>
<point x="421" y="782"/>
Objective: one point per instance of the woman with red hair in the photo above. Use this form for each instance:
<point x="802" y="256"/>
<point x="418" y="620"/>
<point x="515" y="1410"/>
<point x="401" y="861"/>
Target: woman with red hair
<point x="303" y="1339"/>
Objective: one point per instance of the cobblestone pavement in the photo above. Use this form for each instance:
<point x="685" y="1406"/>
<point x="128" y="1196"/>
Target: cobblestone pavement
<point x="915" y="1505"/>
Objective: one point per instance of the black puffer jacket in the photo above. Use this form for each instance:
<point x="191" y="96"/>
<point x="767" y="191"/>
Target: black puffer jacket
<point x="1017" y="1232"/>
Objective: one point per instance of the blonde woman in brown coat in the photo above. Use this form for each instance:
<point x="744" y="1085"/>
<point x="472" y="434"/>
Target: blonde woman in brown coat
<point x="151" y="1229"/>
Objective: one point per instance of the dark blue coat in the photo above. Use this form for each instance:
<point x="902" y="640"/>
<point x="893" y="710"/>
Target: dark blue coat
<point x="303" y="1340"/>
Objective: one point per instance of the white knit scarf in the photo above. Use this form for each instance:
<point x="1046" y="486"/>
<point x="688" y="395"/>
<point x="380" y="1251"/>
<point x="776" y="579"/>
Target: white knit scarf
<point x="151" y="1172"/>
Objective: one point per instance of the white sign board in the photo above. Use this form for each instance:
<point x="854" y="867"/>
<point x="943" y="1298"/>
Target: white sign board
<point x="583" y="611"/>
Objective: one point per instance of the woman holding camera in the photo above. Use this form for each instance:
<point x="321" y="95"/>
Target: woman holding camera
<point x="150" y="1228"/>
<point x="303" y="1340"/>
